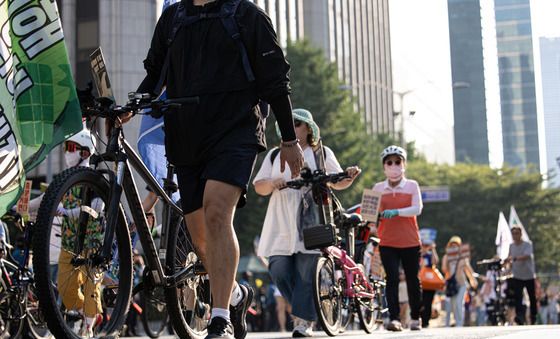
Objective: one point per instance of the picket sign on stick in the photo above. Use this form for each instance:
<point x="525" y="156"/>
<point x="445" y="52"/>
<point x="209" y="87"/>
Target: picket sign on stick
<point x="370" y="205"/>
<point x="23" y="202"/>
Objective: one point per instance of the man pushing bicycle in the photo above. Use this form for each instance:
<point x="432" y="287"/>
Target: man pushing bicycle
<point x="225" y="52"/>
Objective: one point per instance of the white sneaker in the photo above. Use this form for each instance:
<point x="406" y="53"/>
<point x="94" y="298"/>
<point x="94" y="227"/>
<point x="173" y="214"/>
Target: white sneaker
<point x="394" y="326"/>
<point x="415" y="325"/>
<point x="86" y="332"/>
<point x="302" y="328"/>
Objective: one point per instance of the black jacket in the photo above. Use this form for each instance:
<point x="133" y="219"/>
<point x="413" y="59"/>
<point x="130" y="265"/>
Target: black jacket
<point x="205" y="62"/>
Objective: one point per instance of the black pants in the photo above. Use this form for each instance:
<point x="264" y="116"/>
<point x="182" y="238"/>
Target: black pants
<point x="518" y="286"/>
<point x="427" y="300"/>
<point x="392" y="257"/>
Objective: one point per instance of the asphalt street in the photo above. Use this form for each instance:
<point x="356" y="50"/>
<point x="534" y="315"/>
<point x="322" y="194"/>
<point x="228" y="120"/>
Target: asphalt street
<point x="511" y="332"/>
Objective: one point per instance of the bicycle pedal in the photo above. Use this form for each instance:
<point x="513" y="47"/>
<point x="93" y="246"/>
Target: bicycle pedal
<point x="199" y="268"/>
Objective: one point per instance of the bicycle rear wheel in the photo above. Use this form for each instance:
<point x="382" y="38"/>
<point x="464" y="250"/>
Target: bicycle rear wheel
<point x="78" y="292"/>
<point x="154" y="311"/>
<point x="11" y="309"/>
<point x="189" y="301"/>
<point x="328" y="296"/>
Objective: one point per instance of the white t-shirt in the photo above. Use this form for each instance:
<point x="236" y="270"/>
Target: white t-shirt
<point x="280" y="234"/>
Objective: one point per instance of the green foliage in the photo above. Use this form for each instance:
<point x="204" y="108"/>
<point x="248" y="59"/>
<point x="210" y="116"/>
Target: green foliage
<point x="478" y="194"/>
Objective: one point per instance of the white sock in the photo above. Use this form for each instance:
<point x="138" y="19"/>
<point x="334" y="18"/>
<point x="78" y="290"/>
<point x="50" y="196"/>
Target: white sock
<point x="89" y="322"/>
<point x="220" y="312"/>
<point x="236" y="295"/>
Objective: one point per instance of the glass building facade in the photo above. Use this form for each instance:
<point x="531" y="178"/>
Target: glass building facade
<point x="467" y="70"/>
<point x="355" y="35"/>
<point x="517" y="83"/>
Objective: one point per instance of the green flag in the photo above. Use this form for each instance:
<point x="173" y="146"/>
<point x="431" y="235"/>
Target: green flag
<point x="39" y="107"/>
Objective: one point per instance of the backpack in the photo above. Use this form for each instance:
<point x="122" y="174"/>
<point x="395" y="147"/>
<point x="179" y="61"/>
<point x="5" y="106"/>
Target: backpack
<point x="227" y="17"/>
<point x="276" y="150"/>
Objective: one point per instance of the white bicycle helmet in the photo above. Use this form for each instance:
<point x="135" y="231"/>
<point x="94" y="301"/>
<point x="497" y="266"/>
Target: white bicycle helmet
<point x="84" y="139"/>
<point x="393" y="150"/>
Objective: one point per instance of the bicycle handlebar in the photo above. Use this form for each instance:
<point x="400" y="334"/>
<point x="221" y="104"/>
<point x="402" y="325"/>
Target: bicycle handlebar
<point x="104" y="107"/>
<point x="490" y="262"/>
<point x="316" y="177"/>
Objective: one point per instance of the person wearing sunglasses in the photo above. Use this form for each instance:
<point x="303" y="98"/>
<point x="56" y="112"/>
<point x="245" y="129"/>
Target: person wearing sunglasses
<point x="290" y="264"/>
<point x="401" y="203"/>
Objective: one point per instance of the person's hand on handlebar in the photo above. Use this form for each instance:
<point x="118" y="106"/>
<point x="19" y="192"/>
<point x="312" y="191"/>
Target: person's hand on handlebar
<point x="278" y="184"/>
<point x="291" y="153"/>
<point x="123" y="119"/>
<point x="353" y="172"/>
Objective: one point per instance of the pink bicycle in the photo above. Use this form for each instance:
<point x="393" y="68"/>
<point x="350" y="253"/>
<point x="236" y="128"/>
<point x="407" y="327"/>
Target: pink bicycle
<point x="341" y="286"/>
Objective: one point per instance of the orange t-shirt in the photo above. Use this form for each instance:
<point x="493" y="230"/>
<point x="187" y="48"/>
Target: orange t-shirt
<point x="402" y="230"/>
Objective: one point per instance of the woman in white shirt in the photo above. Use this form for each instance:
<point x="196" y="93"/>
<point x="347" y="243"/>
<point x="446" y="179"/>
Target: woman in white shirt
<point x="290" y="264"/>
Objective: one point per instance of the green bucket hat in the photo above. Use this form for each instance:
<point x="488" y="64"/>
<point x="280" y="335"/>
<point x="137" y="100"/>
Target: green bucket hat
<point x="305" y="116"/>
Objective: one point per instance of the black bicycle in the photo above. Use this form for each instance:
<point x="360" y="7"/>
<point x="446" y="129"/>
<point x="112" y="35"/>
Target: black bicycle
<point x="19" y="305"/>
<point x="496" y="308"/>
<point x="149" y="306"/>
<point x="88" y="203"/>
<point x="341" y="286"/>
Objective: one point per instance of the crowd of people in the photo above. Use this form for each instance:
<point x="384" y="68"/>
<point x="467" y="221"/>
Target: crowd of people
<point x="213" y="146"/>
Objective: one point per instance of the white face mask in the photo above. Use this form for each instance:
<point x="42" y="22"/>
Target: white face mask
<point x="72" y="159"/>
<point x="393" y="172"/>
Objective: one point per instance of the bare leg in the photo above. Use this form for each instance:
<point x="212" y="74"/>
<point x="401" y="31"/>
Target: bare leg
<point x="222" y="249"/>
<point x="281" y="308"/>
<point x="196" y="224"/>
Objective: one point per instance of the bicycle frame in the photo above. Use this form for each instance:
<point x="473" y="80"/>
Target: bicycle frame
<point x="351" y="270"/>
<point x="125" y="158"/>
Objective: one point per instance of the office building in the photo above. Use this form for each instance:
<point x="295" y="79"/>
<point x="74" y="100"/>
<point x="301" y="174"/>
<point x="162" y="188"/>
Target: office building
<point x="355" y="35"/>
<point x="517" y="83"/>
<point x="467" y="65"/>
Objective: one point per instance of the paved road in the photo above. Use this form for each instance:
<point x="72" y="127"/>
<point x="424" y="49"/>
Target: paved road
<point x="514" y="332"/>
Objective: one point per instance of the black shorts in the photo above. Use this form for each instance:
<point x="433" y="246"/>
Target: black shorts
<point x="232" y="166"/>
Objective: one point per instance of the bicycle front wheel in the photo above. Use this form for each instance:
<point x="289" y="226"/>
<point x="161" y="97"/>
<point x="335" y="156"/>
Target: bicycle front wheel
<point x="81" y="294"/>
<point x="189" y="301"/>
<point x="328" y="296"/>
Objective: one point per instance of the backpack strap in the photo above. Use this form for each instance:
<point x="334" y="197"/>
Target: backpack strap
<point x="176" y="24"/>
<point x="228" y="21"/>
<point x="227" y="17"/>
<point x="274" y="154"/>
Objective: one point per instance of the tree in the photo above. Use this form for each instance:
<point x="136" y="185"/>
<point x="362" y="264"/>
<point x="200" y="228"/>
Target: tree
<point x="478" y="194"/>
